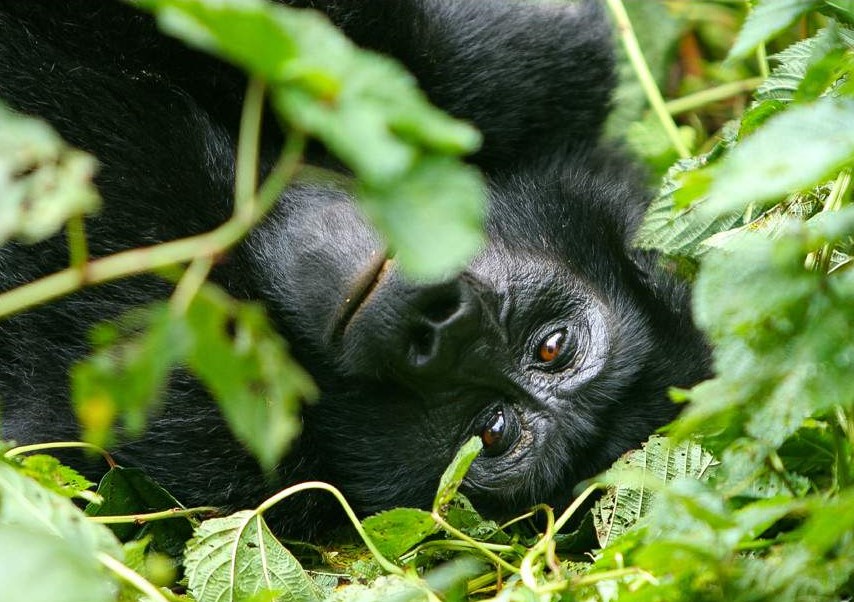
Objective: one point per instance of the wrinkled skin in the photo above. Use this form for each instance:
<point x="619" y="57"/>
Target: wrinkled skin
<point x="556" y="345"/>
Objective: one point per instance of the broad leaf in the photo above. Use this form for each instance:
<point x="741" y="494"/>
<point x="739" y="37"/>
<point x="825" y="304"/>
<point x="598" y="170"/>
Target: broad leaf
<point x="768" y="18"/>
<point x="414" y="215"/>
<point x="24" y="502"/>
<point x="454" y="474"/>
<point x="52" y="474"/>
<point x="461" y="514"/>
<point x="794" y="62"/>
<point x="783" y="350"/>
<point x="127" y="373"/>
<point x="794" y="150"/>
<point x="659" y="461"/>
<point x="37" y="566"/>
<point x="366" y="109"/>
<point x="48" y="550"/>
<point x="130" y="491"/>
<point x="682" y="231"/>
<point x="231" y="559"/>
<point x="245" y="364"/>
<point x="396" y="531"/>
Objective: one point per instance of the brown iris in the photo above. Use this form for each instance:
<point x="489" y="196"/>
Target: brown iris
<point x="551" y="347"/>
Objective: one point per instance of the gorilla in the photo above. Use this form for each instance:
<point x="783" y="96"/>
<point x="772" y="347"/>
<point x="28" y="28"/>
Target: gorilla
<point x="556" y="345"/>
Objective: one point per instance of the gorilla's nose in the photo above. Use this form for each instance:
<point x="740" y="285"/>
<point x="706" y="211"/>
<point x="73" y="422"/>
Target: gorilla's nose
<point x="410" y="329"/>
<point x="444" y="324"/>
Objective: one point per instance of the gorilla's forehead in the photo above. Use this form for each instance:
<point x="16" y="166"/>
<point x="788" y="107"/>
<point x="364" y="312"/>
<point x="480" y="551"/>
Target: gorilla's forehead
<point x="579" y="207"/>
<point x="533" y="283"/>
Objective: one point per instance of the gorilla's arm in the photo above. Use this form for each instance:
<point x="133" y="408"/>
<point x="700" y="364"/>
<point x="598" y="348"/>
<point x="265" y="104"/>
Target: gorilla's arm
<point x="531" y="76"/>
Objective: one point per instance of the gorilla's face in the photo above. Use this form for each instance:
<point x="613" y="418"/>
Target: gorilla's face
<point x="557" y="351"/>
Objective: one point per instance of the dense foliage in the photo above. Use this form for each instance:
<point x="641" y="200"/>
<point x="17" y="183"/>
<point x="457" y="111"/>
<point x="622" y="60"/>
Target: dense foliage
<point x="748" y="497"/>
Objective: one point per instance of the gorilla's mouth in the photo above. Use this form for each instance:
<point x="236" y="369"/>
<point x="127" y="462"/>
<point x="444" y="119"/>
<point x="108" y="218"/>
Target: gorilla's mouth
<point x="363" y="285"/>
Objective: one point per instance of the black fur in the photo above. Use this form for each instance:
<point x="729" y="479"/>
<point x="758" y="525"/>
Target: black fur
<point x="417" y="369"/>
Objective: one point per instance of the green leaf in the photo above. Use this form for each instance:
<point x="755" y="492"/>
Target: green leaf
<point x="841" y="9"/>
<point x="43" y="181"/>
<point x="795" y="61"/>
<point x="627" y="500"/>
<point x="37" y="566"/>
<point x="390" y="588"/>
<point x="244" y="362"/>
<point x="821" y="75"/>
<point x="433" y="217"/>
<point x="396" y="531"/>
<point x="230" y="346"/>
<point x="366" y="109"/>
<point x="781" y="340"/>
<point x="454" y="474"/>
<point x="450" y="579"/>
<point x="135" y="553"/>
<point x="830" y="522"/>
<point x="230" y="559"/>
<point x="679" y="227"/>
<point x="48" y="550"/>
<point x="461" y="514"/>
<point x="745" y="471"/>
<point x="321" y="81"/>
<point x="758" y="114"/>
<point x="794" y="150"/>
<point x="26" y="503"/>
<point x="128" y="371"/>
<point x="127" y="491"/>
<point x="768" y="18"/>
<point x="50" y="473"/>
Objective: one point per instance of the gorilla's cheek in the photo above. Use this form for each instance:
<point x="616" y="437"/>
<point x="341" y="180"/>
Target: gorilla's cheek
<point x="315" y="250"/>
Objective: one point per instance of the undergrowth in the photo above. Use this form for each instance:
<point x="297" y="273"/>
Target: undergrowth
<point x="748" y="496"/>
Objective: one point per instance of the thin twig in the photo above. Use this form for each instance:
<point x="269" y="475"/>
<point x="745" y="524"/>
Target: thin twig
<point x="653" y="94"/>
<point x="705" y="97"/>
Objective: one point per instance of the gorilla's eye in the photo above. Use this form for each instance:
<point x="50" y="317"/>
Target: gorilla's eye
<point x="557" y="350"/>
<point x="498" y="434"/>
<point x="551" y="347"/>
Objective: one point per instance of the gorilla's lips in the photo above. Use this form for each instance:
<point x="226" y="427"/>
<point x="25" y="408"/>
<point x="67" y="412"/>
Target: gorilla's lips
<point x="363" y="285"/>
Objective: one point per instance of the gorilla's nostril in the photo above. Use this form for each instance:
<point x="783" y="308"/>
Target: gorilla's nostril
<point x="422" y="344"/>
<point x="442" y="307"/>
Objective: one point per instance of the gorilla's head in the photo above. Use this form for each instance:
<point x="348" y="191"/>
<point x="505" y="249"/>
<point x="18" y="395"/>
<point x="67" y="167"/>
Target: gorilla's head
<point x="556" y="345"/>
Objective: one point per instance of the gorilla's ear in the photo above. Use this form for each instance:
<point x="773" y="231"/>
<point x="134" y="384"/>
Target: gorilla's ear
<point x="531" y="76"/>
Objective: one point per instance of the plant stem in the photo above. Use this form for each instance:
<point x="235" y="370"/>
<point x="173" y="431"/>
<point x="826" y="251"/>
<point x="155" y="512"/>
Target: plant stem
<point x="192" y="280"/>
<point x="841" y="430"/>
<point x="386" y="564"/>
<point x="653" y="94"/>
<point x="136" y="261"/>
<point x="710" y="95"/>
<point x="120" y="265"/>
<point x="762" y="59"/>
<point x="526" y="567"/>
<point x="246" y="175"/>
<point x="576" y="504"/>
<point x="473" y="542"/>
<point x="836" y="199"/>
<point x="130" y="576"/>
<point x="37" y="447"/>
<point x="286" y="167"/>
<point x="615" y="574"/>
<point x="78" y="250"/>
<point x="153" y="516"/>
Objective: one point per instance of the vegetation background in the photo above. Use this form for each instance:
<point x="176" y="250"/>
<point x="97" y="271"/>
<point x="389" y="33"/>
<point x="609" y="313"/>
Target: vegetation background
<point x="745" y="115"/>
